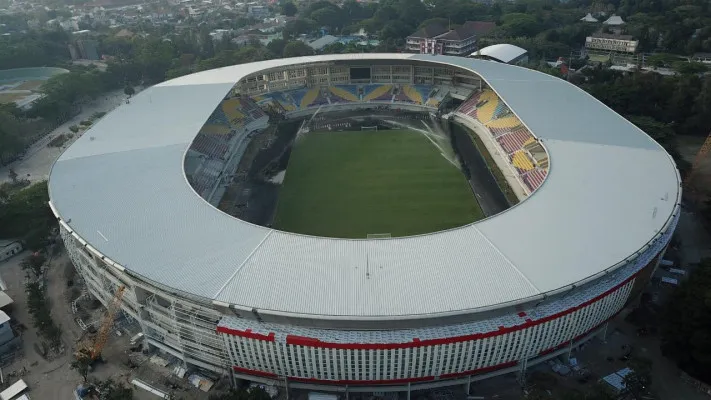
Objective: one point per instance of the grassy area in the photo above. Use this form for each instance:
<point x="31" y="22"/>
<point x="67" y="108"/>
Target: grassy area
<point x="498" y="175"/>
<point x="351" y="184"/>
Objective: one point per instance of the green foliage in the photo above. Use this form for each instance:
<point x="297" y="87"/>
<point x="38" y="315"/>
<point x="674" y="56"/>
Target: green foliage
<point x="97" y="115"/>
<point x="36" y="48"/>
<point x="59" y="140"/>
<point x="38" y="306"/>
<point x="638" y="382"/>
<point x="519" y="24"/>
<point x="74" y="128"/>
<point x="298" y="26"/>
<point x="85" y="122"/>
<point x="110" y="390"/>
<point x="297" y="48"/>
<point x="27" y="215"/>
<point x="81" y="365"/>
<point x="276" y="46"/>
<point x="129" y="90"/>
<point x="686" y="329"/>
<point x="289" y="9"/>
<point x="683" y="67"/>
<point x="34" y="263"/>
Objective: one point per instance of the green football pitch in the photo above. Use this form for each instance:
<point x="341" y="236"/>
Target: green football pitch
<point x="351" y="184"/>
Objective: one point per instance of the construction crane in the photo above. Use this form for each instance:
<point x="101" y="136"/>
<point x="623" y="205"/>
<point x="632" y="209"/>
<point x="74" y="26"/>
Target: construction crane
<point x="696" y="165"/>
<point x="90" y="350"/>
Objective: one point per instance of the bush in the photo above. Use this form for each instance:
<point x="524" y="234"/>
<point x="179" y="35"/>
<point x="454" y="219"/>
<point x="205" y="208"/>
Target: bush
<point x="97" y="115"/>
<point x="59" y="140"/>
<point x="86" y="122"/>
<point x="74" y="128"/>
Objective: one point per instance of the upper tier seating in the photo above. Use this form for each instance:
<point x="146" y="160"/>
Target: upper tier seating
<point x="469" y="106"/>
<point x="488" y="103"/>
<point x="284" y="101"/>
<point x="520" y="160"/>
<point x="233" y="110"/>
<point x="514" y="141"/>
<point x="509" y="122"/>
<point x="377" y="92"/>
<point x="306" y="98"/>
<point x="418" y="94"/>
<point x="534" y="178"/>
<point x="344" y="93"/>
<point x="501" y="110"/>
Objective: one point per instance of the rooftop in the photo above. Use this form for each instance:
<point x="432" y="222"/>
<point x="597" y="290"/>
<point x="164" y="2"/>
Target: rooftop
<point x="609" y="187"/>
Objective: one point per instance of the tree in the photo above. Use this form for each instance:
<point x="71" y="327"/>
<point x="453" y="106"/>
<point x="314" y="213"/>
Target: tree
<point x="686" y="328"/>
<point x="110" y="390"/>
<point x="81" y="365"/>
<point x="12" y="175"/>
<point x="129" y="90"/>
<point x="276" y="46"/>
<point x="289" y="9"/>
<point x="638" y="382"/>
<point x="327" y="16"/>
<point x="34" y="262"/>
<point x="27" y="215"/>
<point x="519" y="24"/>
<point x="296" y="49"/>
<point x="295" y="27"/>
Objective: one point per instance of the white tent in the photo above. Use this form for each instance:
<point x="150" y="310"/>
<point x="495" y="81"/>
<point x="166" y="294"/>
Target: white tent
<point x="589" y="18"/>
<point x="614" y="20"/>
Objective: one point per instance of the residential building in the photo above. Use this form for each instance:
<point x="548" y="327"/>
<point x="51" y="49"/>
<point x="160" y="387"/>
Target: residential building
<point x="460" y="41"/>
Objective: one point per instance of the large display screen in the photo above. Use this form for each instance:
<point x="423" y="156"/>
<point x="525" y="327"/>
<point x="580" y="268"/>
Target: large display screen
<point x="360" y="72"/>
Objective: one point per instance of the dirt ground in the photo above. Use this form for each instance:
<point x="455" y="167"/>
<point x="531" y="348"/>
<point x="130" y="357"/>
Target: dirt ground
<point x="52" y="378"/>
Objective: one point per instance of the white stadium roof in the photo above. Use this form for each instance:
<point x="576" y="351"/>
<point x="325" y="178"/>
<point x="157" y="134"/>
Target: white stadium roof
<point x="503" y="52"/>
<point x="610" y="189"/>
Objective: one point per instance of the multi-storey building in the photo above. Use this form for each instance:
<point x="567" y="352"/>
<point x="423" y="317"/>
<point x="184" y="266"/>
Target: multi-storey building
<point x="460" y="41"/>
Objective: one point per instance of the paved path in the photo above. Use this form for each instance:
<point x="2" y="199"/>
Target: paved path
<point x="39" y="158"/>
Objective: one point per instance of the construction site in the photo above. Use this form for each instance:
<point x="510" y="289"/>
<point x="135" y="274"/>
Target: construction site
<point x="104" y="340"/>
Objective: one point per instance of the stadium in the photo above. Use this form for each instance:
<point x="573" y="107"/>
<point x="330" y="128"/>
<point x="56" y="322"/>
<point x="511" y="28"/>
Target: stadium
<point x="373" y="222"/>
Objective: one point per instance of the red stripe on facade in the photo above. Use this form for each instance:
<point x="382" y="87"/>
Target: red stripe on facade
<point x="379" y="381"/>
<point x="314" y="342"/>
<point x="246" y="333"/>
<point x="307" y="341"/>
<point x="255" y="372"/>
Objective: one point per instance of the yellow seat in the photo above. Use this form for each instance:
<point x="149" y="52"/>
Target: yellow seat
<point x="377" y="92"/>
<point x="413" y="94"/>
<point x="486" y="112"/>
<point x="344" y="94"/>
<point x="309" y="97"/>
<point x="520" y="161"/>
<point x="506" y="122"/>
<point x="214" y="129"/>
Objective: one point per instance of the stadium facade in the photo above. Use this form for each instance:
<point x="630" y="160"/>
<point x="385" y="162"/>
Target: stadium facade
<point x="437" y="309"/>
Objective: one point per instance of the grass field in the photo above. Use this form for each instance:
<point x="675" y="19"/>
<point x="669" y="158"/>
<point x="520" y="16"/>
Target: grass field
<point x="351" y="184"/>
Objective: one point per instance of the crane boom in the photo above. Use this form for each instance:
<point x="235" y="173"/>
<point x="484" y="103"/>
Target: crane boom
<point x="107" y="322"/>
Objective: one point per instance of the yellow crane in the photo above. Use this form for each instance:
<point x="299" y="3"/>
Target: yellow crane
<point x="90" y="350"/>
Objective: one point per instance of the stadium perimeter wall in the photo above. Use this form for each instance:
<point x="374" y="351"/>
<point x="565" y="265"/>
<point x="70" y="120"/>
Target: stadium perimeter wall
<point x="206" y="335"/>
